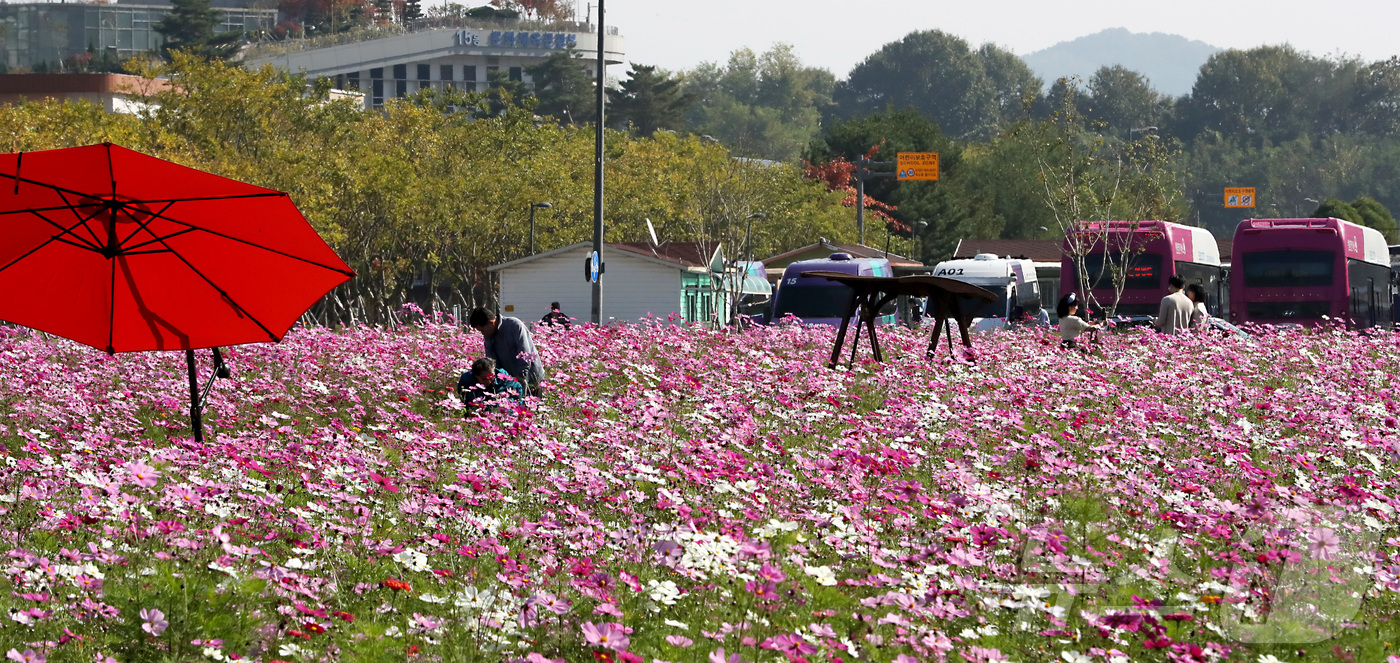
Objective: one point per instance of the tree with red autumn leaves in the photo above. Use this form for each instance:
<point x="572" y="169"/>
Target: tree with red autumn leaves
<point x="840" y="175"/>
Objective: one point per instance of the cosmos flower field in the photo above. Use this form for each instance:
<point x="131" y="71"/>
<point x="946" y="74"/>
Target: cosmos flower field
<point x="684" y="494"/>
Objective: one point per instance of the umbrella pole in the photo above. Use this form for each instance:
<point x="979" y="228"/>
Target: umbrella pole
<point x="194" y="398"/>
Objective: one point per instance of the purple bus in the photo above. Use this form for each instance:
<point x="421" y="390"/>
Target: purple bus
<point x="1300" y="270"/>
<point x="818" y="301"/>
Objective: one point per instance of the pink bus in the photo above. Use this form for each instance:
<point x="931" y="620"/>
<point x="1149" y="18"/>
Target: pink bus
<point x="1299" y="270"/>
<point x="1157" y="250"/>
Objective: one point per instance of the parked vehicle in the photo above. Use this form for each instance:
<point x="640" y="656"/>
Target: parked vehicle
<point x="818" y="301"/>
<point x="1156" y="251"/>
<point x="1013" y="279"/>
<point x="1301" y="271"/>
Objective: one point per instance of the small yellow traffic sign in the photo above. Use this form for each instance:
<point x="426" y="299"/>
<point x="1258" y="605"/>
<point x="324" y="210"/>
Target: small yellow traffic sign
<point x="917" y="165"/>
<point x="1239" y="196"/>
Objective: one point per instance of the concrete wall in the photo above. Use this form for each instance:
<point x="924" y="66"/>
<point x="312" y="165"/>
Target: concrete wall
<point x="632" y="287"/>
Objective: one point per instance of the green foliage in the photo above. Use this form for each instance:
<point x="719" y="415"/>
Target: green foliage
<point x="415" y="193"/>
<point x="1332" y="208"/>
<point x="1375" y="215"/>
<point x="766" y="106"/>
<point x="563" y="87"/>
<point x="940" y="204"/>
<point x="190" y="26"/>
<point x="966" y="92"/>
<point x="649" y="100"/>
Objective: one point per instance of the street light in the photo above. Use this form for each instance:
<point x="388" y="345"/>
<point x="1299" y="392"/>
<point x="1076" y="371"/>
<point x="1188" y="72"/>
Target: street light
<point x="532" y="223"/>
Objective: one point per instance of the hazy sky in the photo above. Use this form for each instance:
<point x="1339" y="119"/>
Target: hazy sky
<point x="838" y="34"/>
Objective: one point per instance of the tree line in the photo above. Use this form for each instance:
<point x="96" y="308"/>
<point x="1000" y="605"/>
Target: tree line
<point x="1307" y="132"/>
<point x="419" y="201"/>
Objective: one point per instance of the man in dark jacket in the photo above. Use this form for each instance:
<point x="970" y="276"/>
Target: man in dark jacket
<point x="509" y="343"/>
<point x="555" y="316"/>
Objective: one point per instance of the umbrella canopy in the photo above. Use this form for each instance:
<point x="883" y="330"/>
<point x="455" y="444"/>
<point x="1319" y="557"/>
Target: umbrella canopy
<point x="126" y="252"/>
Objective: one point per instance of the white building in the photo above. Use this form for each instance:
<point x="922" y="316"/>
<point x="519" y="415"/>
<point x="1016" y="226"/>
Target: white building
<point x="639" y="281"/>
<point x="461" y="56"/>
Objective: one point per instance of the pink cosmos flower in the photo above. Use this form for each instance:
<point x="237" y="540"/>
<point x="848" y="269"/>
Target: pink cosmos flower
<point x="717" y="656"/>
<point x="27" y="656"/>
<point x="604" y="635"/>
<point x="1324" y="544"/>
<point x="679" y="641"/>
<point x="771" y="573"/>
<point x="155" y="623"/>
<point x="142" y="474"/>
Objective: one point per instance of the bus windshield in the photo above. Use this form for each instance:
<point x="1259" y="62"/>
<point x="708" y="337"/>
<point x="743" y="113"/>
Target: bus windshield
<point x="1144" y="271"/>
<point x="813" y="301"/>
<point x="1288" y="268"/>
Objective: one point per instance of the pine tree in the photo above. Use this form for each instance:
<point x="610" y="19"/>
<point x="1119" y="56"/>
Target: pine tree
<point x="190" y="26"/>
<point x="649" y="100"/>
<point x="564" y="88"/>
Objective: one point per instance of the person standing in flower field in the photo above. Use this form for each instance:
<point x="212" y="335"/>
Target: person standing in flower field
<point x="508" y="342"/>
<point x="1199" y="313"/>
<point x="555" y="316"/>
<point x="1175" y="313"/>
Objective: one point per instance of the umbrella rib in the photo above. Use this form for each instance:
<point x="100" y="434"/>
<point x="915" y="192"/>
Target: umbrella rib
<point x="74" y="209"/>
<point x="63" y="189"/>
<point x="46" y="242"/>
<point x="129" y="250"/>
<point x="69" y="230"/>
<point x="225" y="295"/>
<point x="141" y="225"/>
<point x="259" y="246"/>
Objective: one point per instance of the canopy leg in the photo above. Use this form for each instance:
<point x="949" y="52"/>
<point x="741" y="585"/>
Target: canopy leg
<point x="841" y="336"/>
<point x="195" y="423"/>
<point x="874" y="340"/>
<point x="859" y="303"/>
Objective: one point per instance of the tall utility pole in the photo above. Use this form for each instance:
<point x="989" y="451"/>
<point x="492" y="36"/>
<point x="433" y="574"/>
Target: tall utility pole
<point x="863" y="173"/>
<point x="597" y="307"/>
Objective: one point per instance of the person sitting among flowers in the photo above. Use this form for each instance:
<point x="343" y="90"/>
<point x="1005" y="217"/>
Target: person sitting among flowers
<point x="1071" y="325"/>
<point x="483" y="387"/>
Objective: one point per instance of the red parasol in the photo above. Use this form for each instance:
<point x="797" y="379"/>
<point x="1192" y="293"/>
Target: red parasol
<point x="126" y="252"/>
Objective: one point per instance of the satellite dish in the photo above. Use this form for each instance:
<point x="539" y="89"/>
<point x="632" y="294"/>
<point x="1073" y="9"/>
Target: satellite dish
<point x="652" y="229"/>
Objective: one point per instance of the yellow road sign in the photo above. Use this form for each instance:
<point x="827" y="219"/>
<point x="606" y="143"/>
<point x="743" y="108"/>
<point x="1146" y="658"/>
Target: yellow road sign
<point x="1239" y="196"/>
<point x="917" y="165"/>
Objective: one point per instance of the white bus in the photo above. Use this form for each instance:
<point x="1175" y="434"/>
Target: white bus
<point x="1012" y="279"/>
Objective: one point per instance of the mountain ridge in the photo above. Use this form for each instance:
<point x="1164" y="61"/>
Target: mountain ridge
<point x="1169" y="61"/>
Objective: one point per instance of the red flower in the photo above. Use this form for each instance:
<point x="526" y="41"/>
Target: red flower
<point x="603" y="656"/>
<point x="397" y="585"/>
<point x="314" y="627"/>
<point x="343" y="615"/>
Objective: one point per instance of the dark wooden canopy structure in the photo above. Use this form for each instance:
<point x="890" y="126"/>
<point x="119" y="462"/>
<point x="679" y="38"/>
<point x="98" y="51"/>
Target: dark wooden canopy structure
<point x="948" y="300"/>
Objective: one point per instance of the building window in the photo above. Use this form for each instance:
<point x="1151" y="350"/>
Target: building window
<point x="352" y="80"/>
<point x="378" y="98"/>
<point x="400" y="72"/>
<point x="425" y="72"/>
<point x="376" y="73"/>
<point x="445" y="72"/>
<point x="517" y="73"/>
<point x="469" y="73"/>
<point x="340" y="81"/>
<point x="401" y="88"/>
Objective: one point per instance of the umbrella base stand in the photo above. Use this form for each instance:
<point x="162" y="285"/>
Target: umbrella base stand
<point x="197" y="399"/>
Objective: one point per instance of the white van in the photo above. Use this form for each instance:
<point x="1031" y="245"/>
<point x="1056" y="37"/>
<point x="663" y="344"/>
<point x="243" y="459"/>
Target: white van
<point x="1012" y="279"/>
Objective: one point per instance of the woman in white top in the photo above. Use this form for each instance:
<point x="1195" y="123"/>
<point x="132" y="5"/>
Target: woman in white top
<point x="1071" y="325"/>
<point x="1197" y="294"/>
